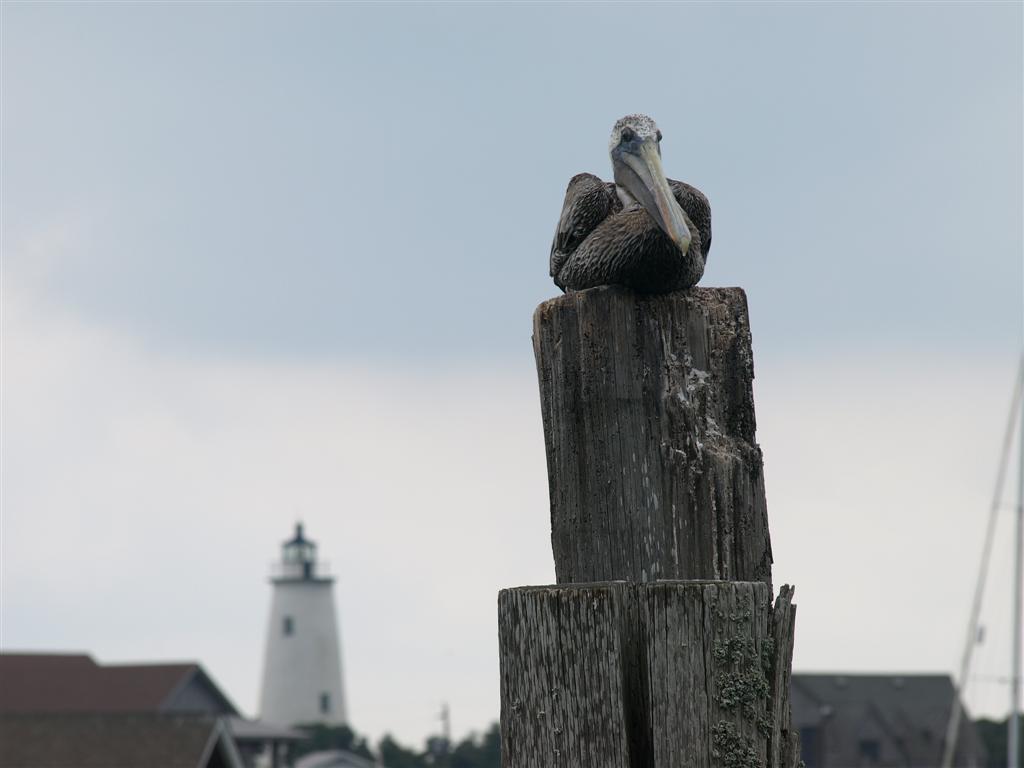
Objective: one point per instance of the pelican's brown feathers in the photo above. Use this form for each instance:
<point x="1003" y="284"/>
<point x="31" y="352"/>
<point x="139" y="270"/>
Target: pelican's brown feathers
<point x="600" y="241"/>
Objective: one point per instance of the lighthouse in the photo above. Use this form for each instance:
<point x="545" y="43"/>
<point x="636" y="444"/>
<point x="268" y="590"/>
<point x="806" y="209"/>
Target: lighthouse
<point x="302" y="680"/>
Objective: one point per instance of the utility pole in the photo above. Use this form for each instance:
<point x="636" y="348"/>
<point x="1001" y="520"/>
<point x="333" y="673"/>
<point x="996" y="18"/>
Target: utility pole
<point x="446" y="724"/>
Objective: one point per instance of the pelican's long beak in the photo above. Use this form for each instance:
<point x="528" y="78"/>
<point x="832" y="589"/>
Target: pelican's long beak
<point x="637" y="166"/>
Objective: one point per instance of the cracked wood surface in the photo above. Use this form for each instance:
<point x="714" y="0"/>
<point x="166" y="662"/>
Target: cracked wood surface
<point x="653" y="468"/>
<point x="658" y="675"/>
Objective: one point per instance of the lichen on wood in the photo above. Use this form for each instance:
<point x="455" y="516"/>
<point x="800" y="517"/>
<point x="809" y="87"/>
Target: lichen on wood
<point x="644" y="672"/>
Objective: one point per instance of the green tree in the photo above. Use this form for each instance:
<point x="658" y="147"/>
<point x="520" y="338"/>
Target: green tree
<point x="324" y="737"/>
<point x="478" y="752"/>
<point x="993" y="734"/>
<point x="394" y="755"/>
<point x="474" y="751"/>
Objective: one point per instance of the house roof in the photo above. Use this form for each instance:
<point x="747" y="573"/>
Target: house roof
<point x="53" y="683"/>
<point x="910" y="713"/>
<point x="104" y="740"/>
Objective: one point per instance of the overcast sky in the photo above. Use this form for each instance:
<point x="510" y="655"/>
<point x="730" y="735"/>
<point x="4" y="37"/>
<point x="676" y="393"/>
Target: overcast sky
<point x="269" y="261"/>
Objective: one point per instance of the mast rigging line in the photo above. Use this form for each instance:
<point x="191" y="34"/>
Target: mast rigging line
<point x="956" y="711"/>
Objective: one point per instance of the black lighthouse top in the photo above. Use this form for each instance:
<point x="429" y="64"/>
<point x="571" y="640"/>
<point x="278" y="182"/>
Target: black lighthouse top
<point x="298" y="560"/>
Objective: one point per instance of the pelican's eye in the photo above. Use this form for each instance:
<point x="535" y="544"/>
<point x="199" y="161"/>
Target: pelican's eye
<point x="628" y="134"/>
<point x="658" y="135"/>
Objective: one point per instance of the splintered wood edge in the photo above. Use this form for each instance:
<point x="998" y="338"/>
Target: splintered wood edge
<point x="728" y="295"/>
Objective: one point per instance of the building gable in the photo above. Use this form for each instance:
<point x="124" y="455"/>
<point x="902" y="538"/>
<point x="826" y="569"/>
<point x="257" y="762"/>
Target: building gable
<point x="76" y="683"/>
<point x="883" y="720"/>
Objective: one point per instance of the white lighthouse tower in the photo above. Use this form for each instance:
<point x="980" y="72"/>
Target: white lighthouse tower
<point x="302" y="680"/>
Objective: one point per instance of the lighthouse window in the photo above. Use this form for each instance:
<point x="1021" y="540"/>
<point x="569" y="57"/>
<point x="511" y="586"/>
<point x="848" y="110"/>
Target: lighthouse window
<point x="325" y="702"/>
<point x="288" y="625"/>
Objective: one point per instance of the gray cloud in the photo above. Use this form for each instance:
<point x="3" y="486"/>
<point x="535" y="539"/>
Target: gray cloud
<point x="348" y="182"/>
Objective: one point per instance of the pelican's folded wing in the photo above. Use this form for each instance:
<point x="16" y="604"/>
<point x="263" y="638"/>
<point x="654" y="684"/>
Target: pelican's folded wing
<point x="697" y="208"/>
<point x="588" y="202"/>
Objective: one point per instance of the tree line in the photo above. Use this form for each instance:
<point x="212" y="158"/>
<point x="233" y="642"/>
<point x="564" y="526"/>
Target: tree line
<point x="475" y="751"/>
<point x="484" y="750"/>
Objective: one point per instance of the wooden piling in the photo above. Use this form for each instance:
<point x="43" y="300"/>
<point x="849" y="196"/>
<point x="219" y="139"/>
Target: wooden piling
<point x="648" y="410"/>
<point x="666" y="675"/>
<point x="659" y="647"/>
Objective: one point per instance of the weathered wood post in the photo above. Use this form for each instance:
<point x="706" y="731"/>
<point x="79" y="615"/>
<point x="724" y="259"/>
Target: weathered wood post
<point x="660" y="646"/>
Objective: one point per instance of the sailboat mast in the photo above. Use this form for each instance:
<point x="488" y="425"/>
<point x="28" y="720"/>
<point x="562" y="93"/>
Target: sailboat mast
<point x="1013" y="750"/>
<point x="1015" y="414"/>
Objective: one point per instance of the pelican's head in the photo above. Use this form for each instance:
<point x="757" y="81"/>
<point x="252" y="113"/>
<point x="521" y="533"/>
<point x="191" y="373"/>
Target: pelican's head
<point x="635" y="147"/>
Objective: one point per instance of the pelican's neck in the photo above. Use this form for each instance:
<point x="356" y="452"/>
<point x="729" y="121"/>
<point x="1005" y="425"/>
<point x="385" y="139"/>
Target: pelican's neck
<point x="624" y="196"/>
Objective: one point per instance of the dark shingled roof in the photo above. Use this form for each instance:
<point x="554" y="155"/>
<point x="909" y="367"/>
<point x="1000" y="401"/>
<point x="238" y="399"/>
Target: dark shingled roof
<point x="106" y="740"/>
<point x="845" y="718"/>
<point x="75" y="683"/>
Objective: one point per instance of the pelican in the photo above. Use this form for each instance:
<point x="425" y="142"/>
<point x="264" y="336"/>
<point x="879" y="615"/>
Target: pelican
<point x="645" y="232"/>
